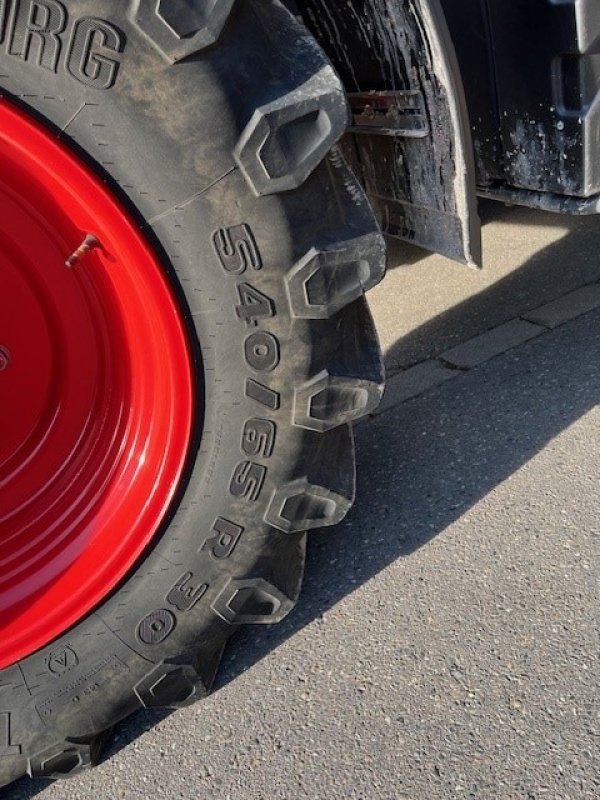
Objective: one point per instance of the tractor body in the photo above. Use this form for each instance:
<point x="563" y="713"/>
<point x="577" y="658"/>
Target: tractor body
<point x="457" y="98"/>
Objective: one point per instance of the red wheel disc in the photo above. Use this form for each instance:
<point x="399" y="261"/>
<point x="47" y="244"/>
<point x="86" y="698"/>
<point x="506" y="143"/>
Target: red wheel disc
<point x="96" y="393"/>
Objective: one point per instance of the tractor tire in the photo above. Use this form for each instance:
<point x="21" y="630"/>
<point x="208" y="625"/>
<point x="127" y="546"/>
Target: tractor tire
<point x="211" y="124"/>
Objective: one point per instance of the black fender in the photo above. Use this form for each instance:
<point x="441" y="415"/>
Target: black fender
<point x="410" y="142"/>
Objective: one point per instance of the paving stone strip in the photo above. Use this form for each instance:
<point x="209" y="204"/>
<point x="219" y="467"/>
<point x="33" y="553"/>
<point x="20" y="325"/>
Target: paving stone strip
<point x="426" y="375"/>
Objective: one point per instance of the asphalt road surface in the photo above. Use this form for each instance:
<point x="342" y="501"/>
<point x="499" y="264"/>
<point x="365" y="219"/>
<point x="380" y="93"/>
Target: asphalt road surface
<point x="446" y="643"/>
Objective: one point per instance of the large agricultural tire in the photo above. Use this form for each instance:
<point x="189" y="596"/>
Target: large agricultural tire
<point x="210" y="125"/>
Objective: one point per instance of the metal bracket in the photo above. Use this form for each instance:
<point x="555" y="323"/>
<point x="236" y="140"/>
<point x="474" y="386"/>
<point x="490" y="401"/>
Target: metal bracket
<point x="399" y="114"/>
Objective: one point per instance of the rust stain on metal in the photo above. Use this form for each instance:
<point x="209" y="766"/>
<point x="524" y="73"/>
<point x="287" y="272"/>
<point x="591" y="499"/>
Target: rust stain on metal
<point x="89" y="243"/>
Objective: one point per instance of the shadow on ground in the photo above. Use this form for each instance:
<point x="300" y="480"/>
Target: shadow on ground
<point x="568" y="264"/>
<point x="424" y="463"/>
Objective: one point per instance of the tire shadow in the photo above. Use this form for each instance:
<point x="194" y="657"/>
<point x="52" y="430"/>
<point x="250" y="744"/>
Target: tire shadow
<point x="424" y="463"/>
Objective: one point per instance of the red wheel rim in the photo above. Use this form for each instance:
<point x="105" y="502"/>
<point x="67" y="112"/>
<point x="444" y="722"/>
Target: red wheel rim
<point x="96" y="393"/>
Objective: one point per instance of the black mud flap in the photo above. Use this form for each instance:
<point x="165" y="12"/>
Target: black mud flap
<point x="411" y="141"/>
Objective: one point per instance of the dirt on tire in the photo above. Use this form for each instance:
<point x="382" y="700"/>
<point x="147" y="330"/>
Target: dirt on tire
<point x="215" y="130"/>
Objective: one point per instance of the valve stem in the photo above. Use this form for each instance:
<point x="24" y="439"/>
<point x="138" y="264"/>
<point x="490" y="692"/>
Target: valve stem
<point x="89" y="243"/>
